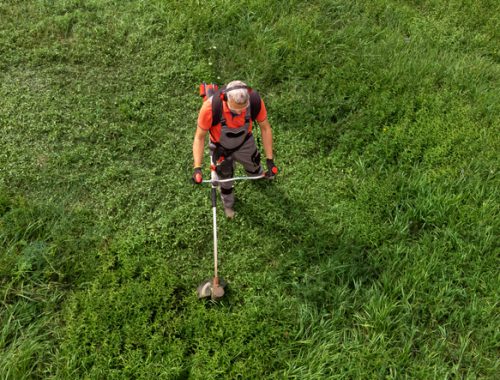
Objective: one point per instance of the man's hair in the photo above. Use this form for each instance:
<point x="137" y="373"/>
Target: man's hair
<point x="239" y="96"/>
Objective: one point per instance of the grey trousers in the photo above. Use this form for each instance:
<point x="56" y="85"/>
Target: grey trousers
<point x="249" y="157"/>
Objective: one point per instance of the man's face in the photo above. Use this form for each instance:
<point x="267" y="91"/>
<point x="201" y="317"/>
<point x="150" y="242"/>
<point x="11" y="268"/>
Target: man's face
<point x="236" y="108"/>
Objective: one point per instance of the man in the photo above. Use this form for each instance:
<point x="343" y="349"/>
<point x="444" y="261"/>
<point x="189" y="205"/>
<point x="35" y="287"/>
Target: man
<point x="231" y="138"/>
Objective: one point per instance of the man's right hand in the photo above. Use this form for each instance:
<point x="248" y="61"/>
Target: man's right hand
<point x="197" y="176"/>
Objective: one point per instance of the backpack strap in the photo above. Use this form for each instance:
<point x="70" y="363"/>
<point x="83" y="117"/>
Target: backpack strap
<point x="254" y="104"/>
<point x="217" y="106"/>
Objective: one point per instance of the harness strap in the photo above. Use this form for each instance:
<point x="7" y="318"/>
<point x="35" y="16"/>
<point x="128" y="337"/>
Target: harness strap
<point x="217" y="115"/>
<point x="217" y="106"/>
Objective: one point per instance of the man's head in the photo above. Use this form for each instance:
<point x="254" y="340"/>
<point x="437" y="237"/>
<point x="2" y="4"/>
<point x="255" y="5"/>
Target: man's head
<point x="239" y="98"/>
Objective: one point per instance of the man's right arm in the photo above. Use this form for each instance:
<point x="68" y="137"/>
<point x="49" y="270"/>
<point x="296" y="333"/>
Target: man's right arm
<point x="199" y="146"/>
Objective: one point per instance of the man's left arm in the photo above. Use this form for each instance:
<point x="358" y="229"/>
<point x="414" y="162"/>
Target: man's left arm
<point x="267" y="141"/>
<point x="267" y="138"/>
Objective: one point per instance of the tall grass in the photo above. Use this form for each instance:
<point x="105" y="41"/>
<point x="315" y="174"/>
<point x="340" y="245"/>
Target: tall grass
<point x="373" y="255"/>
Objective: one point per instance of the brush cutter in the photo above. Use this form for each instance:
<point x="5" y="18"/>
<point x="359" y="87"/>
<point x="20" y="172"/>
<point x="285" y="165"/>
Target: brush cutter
<point x="214" y="287"/>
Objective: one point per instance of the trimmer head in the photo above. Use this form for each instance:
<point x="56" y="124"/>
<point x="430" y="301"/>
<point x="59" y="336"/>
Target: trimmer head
<point x="213" y="288"/>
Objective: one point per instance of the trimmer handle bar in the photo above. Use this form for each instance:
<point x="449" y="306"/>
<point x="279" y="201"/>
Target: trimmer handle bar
<point x="211" y="181"/>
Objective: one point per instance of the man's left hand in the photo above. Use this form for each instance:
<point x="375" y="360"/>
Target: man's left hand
<point x="272" y="170"/>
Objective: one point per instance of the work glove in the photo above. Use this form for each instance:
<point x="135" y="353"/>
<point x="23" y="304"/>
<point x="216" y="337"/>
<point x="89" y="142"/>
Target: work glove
<point x="272" y="170"/>
<point x="197" y="176"/>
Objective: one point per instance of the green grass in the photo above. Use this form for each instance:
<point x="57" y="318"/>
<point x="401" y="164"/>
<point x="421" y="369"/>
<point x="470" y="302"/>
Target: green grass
<point x="373" y="255"/>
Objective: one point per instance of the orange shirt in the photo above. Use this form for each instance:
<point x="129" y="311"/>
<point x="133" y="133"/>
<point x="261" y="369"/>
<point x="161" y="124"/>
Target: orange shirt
<point x="236" y="121"/>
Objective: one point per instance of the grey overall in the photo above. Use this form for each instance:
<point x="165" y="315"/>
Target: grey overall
<point x="235" y="145"/>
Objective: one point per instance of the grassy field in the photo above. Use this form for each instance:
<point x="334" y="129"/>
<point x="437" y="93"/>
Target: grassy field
<point x="375" y="254"/>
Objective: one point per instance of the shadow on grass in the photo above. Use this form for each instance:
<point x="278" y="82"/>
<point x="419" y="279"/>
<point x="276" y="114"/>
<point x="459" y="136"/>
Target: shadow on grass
<point x="309" y="257"/>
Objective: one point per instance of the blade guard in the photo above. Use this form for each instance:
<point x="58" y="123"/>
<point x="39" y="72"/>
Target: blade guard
<point x="213" y="288"/>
